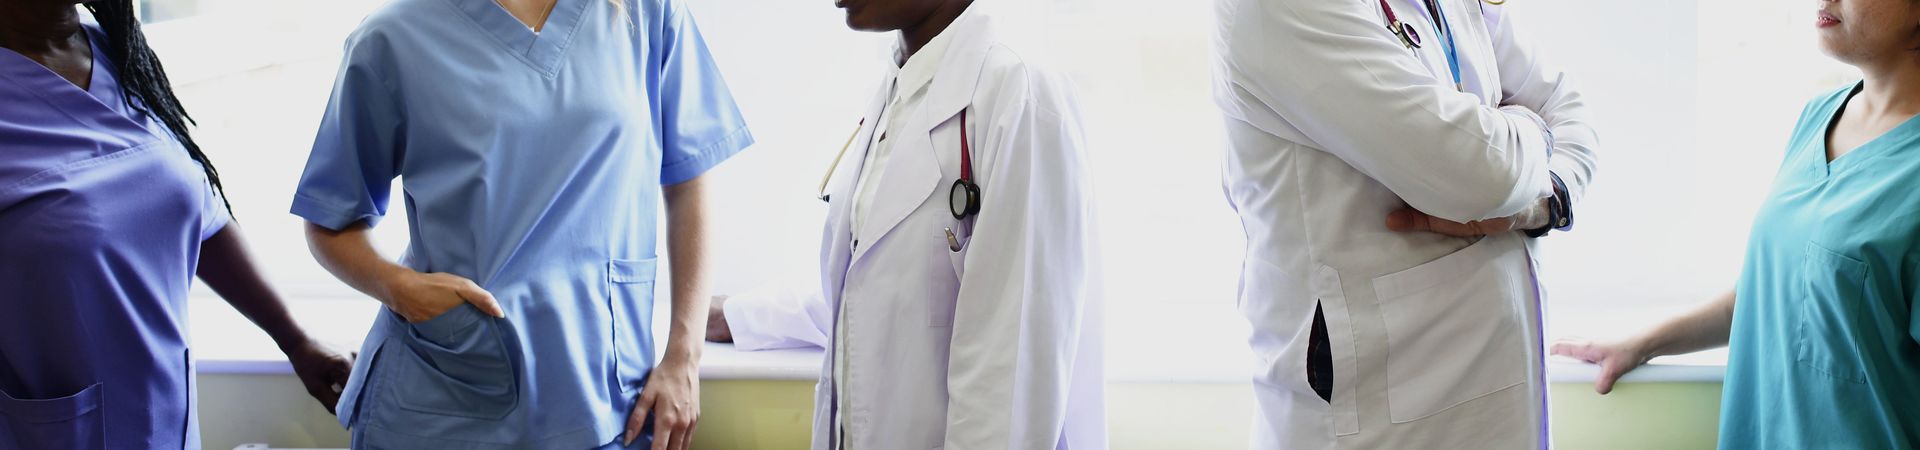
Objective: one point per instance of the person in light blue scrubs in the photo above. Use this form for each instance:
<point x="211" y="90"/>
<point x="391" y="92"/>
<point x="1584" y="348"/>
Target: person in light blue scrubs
<point x="535" y="141"/>
<point x="1823" y="329"/>
<point x="108" y="210"/>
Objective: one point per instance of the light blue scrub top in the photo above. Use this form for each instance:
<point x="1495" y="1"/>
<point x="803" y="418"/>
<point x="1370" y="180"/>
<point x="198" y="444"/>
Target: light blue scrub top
<point x="533" y="165"/>
<point x="1826" y="337"/>
<point x="102" y="214"/>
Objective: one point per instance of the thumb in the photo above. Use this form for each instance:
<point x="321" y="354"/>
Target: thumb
<point x="482" y="299"/>
<point x="1608" y="375"/>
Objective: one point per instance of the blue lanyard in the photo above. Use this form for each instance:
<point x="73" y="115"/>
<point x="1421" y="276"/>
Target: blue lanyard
<point x="1445" y="28"/>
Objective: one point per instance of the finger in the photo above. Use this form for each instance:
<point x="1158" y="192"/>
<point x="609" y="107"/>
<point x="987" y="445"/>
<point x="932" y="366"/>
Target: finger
<point x="480" y="298"/>
<point x="662" y="433"/>
<point x="1604" y="384"/>
<point x="638" y="419"/>
<point x="1407" y="220"/>
<point x="1451" y="228"/>
<point x="330" y="399"/>
<point x="687" y="444"/>
<point x="1582" y="351"/>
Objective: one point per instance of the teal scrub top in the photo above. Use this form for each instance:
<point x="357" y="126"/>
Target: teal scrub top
<point x="1825" y="346"/>
<point x="532" y="164"/>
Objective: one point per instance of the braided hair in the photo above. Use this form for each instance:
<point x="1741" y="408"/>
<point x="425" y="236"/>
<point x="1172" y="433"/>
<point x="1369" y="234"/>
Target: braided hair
<point x="142" y="79"/>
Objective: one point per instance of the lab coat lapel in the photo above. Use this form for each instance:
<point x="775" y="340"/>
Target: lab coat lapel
<point x="913" y="170"/>
<point x="910" y="178"/>
<point x="836" y="256"/>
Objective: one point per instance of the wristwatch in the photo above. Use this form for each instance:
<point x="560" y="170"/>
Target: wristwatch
<point x="1559" y="210"/>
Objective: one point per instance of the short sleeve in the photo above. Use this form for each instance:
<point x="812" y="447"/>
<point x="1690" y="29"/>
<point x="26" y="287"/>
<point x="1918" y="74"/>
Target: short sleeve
<point x="213" y="213"/>
<point x="699" y="124"/>
<point x="356" y="152"/>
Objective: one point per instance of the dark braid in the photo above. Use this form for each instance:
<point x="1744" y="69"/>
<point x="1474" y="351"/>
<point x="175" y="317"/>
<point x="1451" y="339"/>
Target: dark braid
<point x="142" y="79"/>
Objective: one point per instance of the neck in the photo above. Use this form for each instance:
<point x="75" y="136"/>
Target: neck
<point x="917" y="36"/>
<point x="39" y="27"/>
<point x="1891" y="88"/>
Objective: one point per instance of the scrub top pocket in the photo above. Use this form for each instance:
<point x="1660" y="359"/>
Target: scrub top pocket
<point x="631" y="308"/>
<point x="1453" y="327"/>
<point x="71" y="422"/>
<point x="458" y="366"/>
<point x="1831" y="290"/>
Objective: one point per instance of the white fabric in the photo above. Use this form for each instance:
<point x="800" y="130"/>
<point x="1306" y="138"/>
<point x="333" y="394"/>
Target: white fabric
<point x="996" y="345"/>
<point x="1333" y="123"/>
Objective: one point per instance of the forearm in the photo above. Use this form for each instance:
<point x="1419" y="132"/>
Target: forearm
<point x="349" y="255"/>
<point x="227" y="267"/>
<point x="1704" y="328"/>
<point x="686" y="233"/>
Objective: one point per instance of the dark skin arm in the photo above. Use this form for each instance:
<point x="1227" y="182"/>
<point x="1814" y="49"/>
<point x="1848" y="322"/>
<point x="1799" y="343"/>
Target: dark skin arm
<point x="226" y="267"/>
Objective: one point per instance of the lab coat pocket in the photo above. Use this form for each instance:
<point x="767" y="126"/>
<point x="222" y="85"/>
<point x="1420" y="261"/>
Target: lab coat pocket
<point x="631" y="308"/>
<point x="940" y="313"/>
<point x="70" y="422"/>
<point x="1830" y="291"/>
<point x="459" y="365"/>
<point x="1453" y="326"/>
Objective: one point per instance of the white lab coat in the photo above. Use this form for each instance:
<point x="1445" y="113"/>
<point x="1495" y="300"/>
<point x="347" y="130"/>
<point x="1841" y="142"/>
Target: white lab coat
<point x="1333" y="123"/>
<point x="994" y="346"/>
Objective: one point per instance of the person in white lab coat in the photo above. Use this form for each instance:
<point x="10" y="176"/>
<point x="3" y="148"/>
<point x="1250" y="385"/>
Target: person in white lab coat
<point x="967" y="330"/>
<point x="1390" y="171"/>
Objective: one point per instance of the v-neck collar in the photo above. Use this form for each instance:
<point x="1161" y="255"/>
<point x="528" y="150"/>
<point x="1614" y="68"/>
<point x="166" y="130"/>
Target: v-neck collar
<point x="1893" y="138"/>
<point x="543" y="49"/>
<point x="101" y="103"/>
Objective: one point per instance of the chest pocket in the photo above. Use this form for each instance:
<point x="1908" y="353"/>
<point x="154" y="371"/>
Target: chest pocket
<point x="1830" y="291"/>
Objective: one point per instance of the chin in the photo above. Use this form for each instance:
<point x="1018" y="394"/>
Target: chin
<point x="858" y="23"/>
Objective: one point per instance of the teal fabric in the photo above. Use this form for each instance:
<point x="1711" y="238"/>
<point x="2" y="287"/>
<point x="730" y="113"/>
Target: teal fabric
<point x="1825" y="351"/>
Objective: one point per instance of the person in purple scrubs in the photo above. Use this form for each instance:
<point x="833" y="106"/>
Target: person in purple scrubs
<point x="108" y="209"/>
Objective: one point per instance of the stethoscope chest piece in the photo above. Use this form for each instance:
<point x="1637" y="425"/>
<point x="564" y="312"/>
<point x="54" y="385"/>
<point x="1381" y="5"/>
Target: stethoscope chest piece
<point x="964" y="199"/>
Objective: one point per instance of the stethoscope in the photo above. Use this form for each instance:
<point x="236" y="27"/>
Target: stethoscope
<point x="963" y="199"/>
<point x="1411" y="39"/>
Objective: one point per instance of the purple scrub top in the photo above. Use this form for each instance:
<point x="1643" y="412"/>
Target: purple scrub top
<point x="102" y="214"/>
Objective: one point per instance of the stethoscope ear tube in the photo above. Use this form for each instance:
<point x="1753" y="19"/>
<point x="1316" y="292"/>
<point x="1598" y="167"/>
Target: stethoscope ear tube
<point x="964" y="198"/>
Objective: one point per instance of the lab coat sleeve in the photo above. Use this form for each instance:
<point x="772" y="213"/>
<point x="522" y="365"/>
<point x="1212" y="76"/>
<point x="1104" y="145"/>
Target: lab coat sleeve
<point x="695" y="116"/>
<point x="1332" y="70"/>
<point x="1026" y="282"/>
<point x="357" y="151"/>
<point x="769" y="319"/>
<point x="1526" y="80"/>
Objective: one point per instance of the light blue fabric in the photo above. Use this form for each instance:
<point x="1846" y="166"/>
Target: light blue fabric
<point x="102" y="215"/>
<point x="533" y="165"/>
<point x="1825" y="348"/>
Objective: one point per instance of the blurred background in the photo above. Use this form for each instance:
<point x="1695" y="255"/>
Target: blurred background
<point x="1693" y="100"/>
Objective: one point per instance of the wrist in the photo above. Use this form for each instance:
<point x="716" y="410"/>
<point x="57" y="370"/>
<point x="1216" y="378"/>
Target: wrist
<point x="387" y="280"/>
<point x="683" y="351"/>
<point x="290" y="341"/>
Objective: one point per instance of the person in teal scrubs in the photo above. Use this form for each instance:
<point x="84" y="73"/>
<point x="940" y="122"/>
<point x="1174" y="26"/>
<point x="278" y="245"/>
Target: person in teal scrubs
<point x="536" y="142"/>
<point x="1823" y="328"/>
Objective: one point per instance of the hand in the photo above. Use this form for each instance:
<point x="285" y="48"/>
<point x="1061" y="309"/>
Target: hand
<point x="1408" y="220"/>
<point x="672" y="397"/>
<point x="717" y="330"/>
<point x="419" y="297"/>
<point x="1615" y="358"/>
<point x="323" y="370"/>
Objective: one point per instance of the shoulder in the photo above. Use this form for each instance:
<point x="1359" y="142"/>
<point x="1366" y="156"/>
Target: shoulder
<point x="397" y="22"/>
<point x="1023" y="77"/>
<point x="381" y="39"/>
